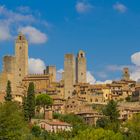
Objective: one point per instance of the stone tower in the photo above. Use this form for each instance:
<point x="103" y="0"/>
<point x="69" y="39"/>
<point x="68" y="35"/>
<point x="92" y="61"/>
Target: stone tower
<point x="81" y="67"/>
<point x="9" y="64"/>
<point x="69" y="74"/>
<point x="21" y="58"/>
<point x="126" y="74"/>
<point x="51" y="70"/>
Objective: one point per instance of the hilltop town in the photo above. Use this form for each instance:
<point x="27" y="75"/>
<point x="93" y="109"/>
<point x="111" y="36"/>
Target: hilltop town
<point x="72" y="94"/>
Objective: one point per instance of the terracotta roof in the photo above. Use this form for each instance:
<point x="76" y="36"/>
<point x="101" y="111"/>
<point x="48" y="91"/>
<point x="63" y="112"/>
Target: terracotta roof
<point x="87" y="112"/>
<point x="56" y="122"/>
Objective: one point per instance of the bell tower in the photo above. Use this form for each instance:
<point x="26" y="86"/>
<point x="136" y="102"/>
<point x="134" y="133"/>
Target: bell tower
<point x="21" y="56"/>
<point x="81" y="67"/>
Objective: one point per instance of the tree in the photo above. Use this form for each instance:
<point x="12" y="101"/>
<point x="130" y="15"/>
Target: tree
<point x="102" y="122"/>
<point x="98" y="134"/>
<point x="36" y="131"/>
<point x="8" y="96"/>
<point x="12" y="124"/>
<point x="132" y="128"/>
<point x="25" y="108"/>
<point x="110" y="121"/>
<point x="76" y="121"/>
<point x="44" y="101"/>
<point x="31" y="101"/>
<point x="111" y="111"/>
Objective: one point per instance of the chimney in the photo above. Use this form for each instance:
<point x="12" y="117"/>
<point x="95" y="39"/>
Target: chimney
<point x="48" y="114"/>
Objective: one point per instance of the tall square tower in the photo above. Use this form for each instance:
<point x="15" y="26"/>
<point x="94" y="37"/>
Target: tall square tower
<point x="21" y="58"/>
<point x="81" y="67"/>
<point x="69" y="74"/>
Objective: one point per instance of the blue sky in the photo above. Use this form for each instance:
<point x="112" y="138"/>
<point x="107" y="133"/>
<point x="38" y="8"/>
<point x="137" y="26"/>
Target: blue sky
<point x="107" y="30"/>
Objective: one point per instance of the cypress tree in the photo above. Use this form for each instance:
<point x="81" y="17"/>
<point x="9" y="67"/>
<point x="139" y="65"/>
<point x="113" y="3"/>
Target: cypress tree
<point x="31" y="101"/>
<point x="25" y="108"/>
<point x="111" y="111"/>
<point x="8" y="96"/>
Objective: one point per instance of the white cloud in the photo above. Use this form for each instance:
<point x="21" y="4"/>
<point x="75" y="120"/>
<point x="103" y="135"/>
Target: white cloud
<point x="10" y="20"/>
<point x="90" y="78"/>
<point x="14" y="17"/>
<point x="114" y="68"/>
<point x="21" y="16"/>
<point x="102" y="74"/>
<point x="4" y="32"/>
<point x="134" y="68"/>
<point x="83" y="7"/>
<point x="59" y="75"/>
<point x="134" y="71"/>
<point x="104" y="82"/>
<point x="24" y="9"/>
<point x="36" y="66"/>
<point x="120" y="7"/>
<point x="135" y="75"/>
<point x="135" y="58"/>
<point x="34" y="35"/>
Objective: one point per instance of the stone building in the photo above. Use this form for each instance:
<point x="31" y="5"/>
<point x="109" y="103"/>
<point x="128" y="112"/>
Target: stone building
<point x="21" y="54"/>
<point x="127" y="110"/>
<point x="81" y="67"/>
<point x="72" y="94"/>
<point x="15" y="68"/>
<point x="41" y="82"/>
<point x="51" y="70"/>
<point x="52" y="125"/>
<point x="74" y="72"/>
<point x="69" y="74"/>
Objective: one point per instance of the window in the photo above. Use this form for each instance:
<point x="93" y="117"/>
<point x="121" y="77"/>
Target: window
<point x="96" y="100"/>
<point x="82" y="55"/>
<point x="19" y="74"/>
<point x="19" y="69"/>
<point x="20" y="37"/>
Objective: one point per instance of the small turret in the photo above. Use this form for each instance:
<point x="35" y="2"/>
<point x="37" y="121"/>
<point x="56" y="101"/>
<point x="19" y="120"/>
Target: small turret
<point x="126" y="74"/>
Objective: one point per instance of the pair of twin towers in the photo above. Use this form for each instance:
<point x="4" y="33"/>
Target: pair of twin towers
<point x="74" y="71"/>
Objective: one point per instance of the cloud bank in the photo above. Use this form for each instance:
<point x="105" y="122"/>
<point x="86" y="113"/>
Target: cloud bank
<point x="134" y="68"/>
<point x="135" y="59"/>
<point x="20" y="18"/>
<point x="36" y="66"/>
<point x="34" y="35"/>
